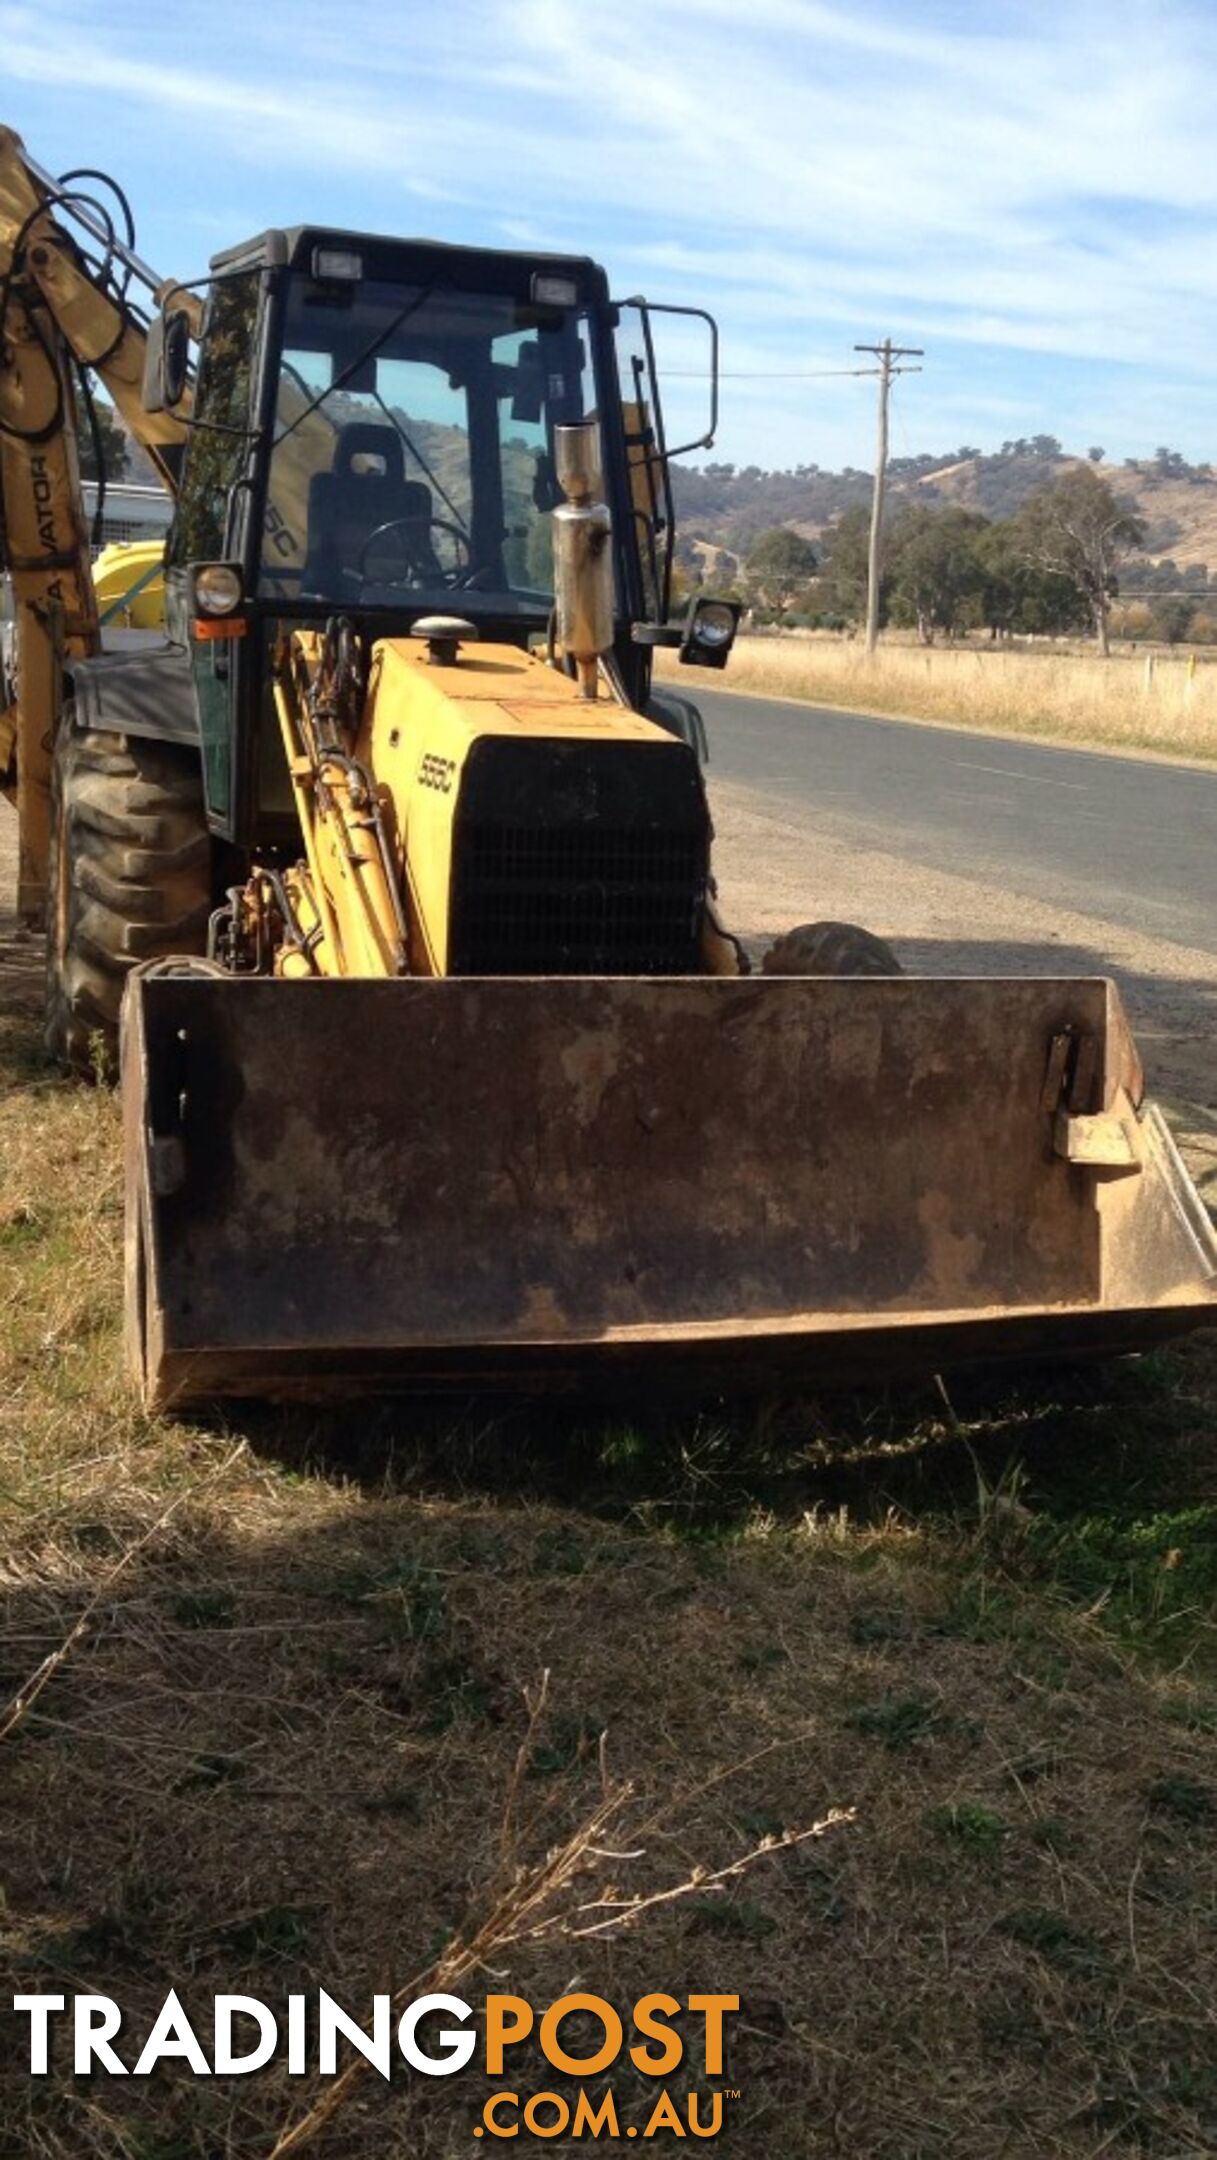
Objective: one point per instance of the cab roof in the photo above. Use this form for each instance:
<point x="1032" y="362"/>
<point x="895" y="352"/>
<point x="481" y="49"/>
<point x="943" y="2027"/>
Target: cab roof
<point x="406" y="260"/>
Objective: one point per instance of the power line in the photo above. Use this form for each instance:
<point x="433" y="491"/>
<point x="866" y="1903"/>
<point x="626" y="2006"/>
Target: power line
<point x="766" y="374"/>
<point x="887" y="355"/>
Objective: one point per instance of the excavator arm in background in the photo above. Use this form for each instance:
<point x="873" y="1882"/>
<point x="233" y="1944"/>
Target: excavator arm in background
<point x="66" y="279"/>
<point x="67" y="285"/>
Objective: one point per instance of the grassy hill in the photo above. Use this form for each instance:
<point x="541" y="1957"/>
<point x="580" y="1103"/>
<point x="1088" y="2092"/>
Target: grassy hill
<point x="720" y="506"/>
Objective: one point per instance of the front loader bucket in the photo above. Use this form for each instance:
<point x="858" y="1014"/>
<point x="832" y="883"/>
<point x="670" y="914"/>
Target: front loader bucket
<point x="724" y="1184"/>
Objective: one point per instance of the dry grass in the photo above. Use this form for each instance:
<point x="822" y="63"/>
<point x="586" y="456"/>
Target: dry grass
<point x="1062" y="696"/>
<point x="276" y="1754"/>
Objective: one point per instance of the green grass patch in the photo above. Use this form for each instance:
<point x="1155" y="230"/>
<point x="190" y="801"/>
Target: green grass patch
<point x="899" y="1721"/>
<point x="1151" y="1577"/>
<point x="740" y="1919"/>
<point x="570" y="1737"/>
<point x="270" y="1935"/>
<point x="203" y="1608"/>
<point x="405" y="1597"/>
<point x="969" y="1825"/>
<point x="1054" y="1938"/>
<point x="1051" y="1834"/>
<point x="1182" y="1798"/>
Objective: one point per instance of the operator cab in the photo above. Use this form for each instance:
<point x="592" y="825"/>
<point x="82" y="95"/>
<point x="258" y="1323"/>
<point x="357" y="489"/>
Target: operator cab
<point x="382" y="417"/>
<point x="413" y="435"/>
<point x="373" y="435"/>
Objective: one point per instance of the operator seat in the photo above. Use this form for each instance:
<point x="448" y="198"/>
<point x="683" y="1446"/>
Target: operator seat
<point x="366" y="487"/>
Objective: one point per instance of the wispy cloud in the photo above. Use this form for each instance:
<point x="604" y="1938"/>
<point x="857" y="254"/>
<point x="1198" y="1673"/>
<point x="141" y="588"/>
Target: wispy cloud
<point x="1031" y="195"/>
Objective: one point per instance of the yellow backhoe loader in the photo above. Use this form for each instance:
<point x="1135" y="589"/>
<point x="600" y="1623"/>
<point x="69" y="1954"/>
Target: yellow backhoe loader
<point x="439" y="1066"/>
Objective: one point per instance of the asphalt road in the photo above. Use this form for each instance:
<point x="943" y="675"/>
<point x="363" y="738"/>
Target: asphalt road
<point x="1130" y="840"/>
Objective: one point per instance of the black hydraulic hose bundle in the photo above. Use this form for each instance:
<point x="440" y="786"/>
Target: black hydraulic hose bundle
<point x="65" y="196"/>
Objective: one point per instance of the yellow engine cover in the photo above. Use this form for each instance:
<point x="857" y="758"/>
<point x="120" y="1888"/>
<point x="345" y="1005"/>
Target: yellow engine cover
<point x="420" y="723"/>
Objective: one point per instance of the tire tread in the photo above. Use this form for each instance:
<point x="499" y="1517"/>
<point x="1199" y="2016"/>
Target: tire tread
<point x="129" y="812"/>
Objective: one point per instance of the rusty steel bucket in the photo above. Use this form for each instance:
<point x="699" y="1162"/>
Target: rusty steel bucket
<point x="704" y="1183"/>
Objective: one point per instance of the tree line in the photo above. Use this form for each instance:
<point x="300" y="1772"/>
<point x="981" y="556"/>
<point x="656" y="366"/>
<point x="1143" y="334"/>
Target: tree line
<point x="1051" y="569"/>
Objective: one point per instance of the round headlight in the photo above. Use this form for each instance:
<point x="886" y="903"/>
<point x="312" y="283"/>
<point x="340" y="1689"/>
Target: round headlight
<point x="217" y="589"/>
<point x="714" y="624"/>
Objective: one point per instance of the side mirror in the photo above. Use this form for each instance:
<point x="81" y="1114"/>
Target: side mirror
<point x="647" y="368"/>
<point x="166" y="361"/>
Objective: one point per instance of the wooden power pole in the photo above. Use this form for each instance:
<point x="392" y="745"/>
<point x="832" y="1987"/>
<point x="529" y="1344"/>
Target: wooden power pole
<point x="886" y="354"/>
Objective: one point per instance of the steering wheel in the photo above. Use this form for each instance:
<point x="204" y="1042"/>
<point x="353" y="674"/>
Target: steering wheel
<point x="414" y="572"/>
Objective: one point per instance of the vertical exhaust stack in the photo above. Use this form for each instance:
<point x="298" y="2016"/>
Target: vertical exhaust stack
<point x="583" y="559"/>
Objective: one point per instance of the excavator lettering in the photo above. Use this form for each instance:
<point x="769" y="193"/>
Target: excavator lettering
<point x="440" y="1067"/>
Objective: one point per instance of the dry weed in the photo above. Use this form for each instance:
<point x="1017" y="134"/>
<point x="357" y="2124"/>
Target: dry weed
<point x="1131" y="701"/>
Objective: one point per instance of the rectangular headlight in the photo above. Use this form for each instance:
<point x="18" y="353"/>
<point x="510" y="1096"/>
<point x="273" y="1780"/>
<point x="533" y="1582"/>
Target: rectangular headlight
<point x="548" y="291"/>
<point x="337" y="265"/>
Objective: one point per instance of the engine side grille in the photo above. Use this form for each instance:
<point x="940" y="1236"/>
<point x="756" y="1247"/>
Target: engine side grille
<point x="599" y="867"/>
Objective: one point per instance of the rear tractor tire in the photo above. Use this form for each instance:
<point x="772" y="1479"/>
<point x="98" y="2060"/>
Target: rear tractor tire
<point x="830" y="948"/>
<point x="129" y="880"/>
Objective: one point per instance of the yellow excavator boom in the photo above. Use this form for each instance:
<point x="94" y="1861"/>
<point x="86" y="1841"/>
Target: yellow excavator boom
<point x="59" y="315"/>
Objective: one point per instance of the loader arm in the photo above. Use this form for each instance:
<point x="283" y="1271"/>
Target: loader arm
<point x="63" y="308"/>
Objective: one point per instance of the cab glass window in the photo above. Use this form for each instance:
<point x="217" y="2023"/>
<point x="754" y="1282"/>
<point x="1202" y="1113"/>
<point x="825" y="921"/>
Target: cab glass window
<point x="413" y="458"/>
<point x="218" y="444"/>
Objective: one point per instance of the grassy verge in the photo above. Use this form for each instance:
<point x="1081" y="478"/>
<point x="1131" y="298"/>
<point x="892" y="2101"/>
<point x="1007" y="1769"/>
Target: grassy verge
<point x="1163" y="706"/>
<point x="277" y="1755"/>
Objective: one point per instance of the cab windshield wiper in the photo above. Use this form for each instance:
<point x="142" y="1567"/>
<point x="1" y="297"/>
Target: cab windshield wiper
<point x="361" y="359"/>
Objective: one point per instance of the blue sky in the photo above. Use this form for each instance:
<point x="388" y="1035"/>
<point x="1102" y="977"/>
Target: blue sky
<point x="1028" y="191"/>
